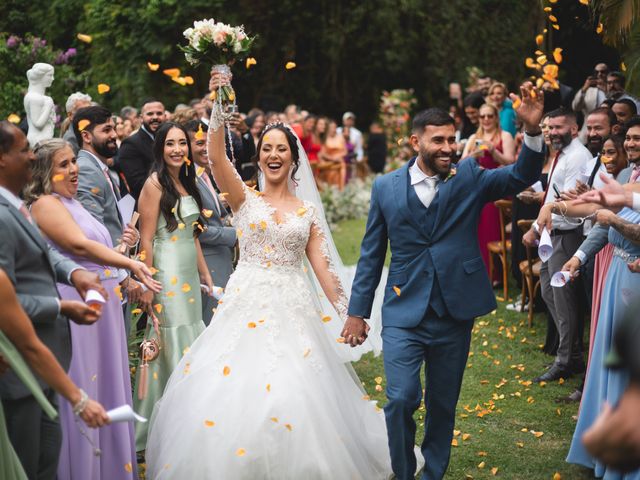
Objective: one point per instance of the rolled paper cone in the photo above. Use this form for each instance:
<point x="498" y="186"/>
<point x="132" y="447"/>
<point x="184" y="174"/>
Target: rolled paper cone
<point x="545" y="248"/>
<point x="134" y="218"/>
<point x="216" y="292"/>
<point x="537" y="187"/>
<point x="124" y="413"/>
<point x="94" y="297"/>
<point x="560" y="279"/>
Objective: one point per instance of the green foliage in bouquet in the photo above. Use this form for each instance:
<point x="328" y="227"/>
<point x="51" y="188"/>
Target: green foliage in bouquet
<point x="395" y="116"/>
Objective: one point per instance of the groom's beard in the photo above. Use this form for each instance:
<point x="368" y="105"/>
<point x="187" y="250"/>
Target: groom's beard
<point x="439" y="163"/>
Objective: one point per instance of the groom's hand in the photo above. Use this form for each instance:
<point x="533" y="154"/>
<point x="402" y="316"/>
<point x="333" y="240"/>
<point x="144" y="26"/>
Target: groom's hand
<point x="355" y="331"/>
<point x="530" y="108"/>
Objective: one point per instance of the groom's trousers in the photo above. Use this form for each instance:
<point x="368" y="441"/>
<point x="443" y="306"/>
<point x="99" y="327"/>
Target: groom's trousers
<point x="442" y="344"/>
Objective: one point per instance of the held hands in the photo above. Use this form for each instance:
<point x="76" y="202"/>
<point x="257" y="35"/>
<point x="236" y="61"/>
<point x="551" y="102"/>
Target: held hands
<point x="355" y="331"/>
<point x="530" y="108"/>
<point x="79" y="312"/>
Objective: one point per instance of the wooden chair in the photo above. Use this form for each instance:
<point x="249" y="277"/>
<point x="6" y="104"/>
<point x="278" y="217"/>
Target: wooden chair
<point x="530" y="270"/>
<point x="502" y="247"/>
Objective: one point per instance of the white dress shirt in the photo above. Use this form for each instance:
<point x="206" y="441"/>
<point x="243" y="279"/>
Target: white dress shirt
<point x="425" y="186"/>
<point x="569" y="167"/>
<point x="355" y="138"/>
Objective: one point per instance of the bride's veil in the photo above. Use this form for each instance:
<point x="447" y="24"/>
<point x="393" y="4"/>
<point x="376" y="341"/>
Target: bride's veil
<point x="304" y="187"/>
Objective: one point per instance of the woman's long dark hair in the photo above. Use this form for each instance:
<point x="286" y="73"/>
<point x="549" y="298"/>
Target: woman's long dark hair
<point x="187" y="177"/>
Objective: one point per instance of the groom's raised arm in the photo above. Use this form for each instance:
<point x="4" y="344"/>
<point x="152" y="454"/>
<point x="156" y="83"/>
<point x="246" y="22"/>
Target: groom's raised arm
<point x="372" y="254"/>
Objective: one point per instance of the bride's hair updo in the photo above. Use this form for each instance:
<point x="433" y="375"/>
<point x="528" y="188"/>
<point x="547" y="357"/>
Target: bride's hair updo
<point x="293" y="146"/>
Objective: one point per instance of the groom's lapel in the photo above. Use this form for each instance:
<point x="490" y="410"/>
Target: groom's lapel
<point x="400" y="193"/>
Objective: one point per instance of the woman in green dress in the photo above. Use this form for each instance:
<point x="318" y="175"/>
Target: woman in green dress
<point x="170" y="221"/>
<point x="16" y="331"/>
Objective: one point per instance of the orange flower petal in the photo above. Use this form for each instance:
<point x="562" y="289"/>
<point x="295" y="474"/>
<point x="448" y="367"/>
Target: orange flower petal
<point x="172" y="72"/>
<point x="209" y="423"/>
<point x="84" y="38"/>
<point x="158" y="307"/>
<point x="539" y="39"/>
<point x="199" y="135"/>
<point x="181" y="226"/>
<point x="553" y="18"/>
<point x="268" y="387"/>
<point x="288" y="426"/>
<point x="174" y="238"/>
<point x="557" y="55"/>
<point x="128" y="468"/>
<point x="153" y="66"/>
<point x="199" y="170"/>
<point x="481" y="465"/>
<point x="13" y="118"/>
<point x="397" y="290"/>
<point x="82" y="124"/>
<point x="136" y="311"/>
<point x="241" y="452"/>
<point x="173" y="280"/>
<point x="251" y="325"/>
<point x="179" y="80"/>
<point x="188" y="80"/>
<point x="326" y="318"/>
<point x="103" y="88"/>
<point x="494" y="471"/>
<point x="250" y="61"/>
<point x="599" y="28"/>
<point x="207" y="213"/>
<point x="556" y="26"/>
<point x="57" y="178"/>
<point x="263" y="225"/>
<point x="542" y="59"/>
<point x="226" y="371"/>
<point x="290" y="65"/>
<point x="301" y="211"/>
<point x="186" y="287"/>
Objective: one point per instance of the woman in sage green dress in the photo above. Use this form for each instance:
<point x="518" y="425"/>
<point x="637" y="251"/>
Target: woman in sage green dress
<point x="170" y="221"/>
<point x="16" y="329"/>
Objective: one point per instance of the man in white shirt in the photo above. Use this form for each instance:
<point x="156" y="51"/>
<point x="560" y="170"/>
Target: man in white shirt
<point x="566" y="236"/>
<point x="591" y="95"/>
<point x="355" y="135"/>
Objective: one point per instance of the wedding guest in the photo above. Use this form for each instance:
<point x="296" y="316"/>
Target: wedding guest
<point x="131" y="113"/>
<point x="17" y="328"/>
<point x="349" y="158"/>
<point x="33" y="269"/>
<point x="75" y="102"/>
<point x="616" y="82"/>
<point x="100" y="359"/>
<point x="98" y="190"/>
<point x="331" y="167"/>
<point x="136" y="157"/>
<point x="241" y="147"/>
<point x="170" y="222"/>
<point x="591" y="95"/>
<point x="256" y="125"/>
<point x="471" y="121"/>
<point x="492" y="147"/>
<point x="119" y="128"/>
<point x="613" y="155"/>
<point x="624" y="109"/>
<point x="498" y="97"/>
<point x="563" y="303"/>
<point x="318" y="137"/>
<point x="355" y="135"/>
<point x="376" y="148"/>
<point x="219" y="237"/>
<point x="308" y="127"/>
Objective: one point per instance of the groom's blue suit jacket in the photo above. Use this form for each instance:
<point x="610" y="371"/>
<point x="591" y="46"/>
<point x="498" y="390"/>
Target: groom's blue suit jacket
<point x="437" y="245"/>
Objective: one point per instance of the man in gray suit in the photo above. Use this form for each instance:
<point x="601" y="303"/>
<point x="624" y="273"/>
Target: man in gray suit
<point x="219" y="239"/>
<point x="98" y="188"/>
<point x="75" y="102"/>
<point x="34" y="268"/>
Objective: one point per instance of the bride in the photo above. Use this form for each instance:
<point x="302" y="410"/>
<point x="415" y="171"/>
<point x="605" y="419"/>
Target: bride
<point x="266" y="392"/>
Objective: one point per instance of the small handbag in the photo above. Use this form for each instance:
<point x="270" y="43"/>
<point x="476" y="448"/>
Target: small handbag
<point x="149" y="351"/>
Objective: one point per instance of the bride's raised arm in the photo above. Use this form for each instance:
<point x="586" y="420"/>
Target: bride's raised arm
<point x="224" y="172"/>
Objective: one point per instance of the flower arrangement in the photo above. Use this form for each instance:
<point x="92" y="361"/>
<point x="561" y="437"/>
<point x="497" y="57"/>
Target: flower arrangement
<point x="395" y="115"/>
<point x="217" y="44"/>
<point x="352" y="202"/>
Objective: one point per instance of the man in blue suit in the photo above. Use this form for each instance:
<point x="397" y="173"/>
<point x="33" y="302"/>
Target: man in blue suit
<point x="429" y="211"/>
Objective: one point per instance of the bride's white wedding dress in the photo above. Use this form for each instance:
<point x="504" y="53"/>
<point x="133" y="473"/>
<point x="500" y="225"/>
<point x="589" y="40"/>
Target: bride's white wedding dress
<point x="262" y="394"/>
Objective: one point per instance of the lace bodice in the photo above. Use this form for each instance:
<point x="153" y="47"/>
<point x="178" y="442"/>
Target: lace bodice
<point x="264" y="241"/>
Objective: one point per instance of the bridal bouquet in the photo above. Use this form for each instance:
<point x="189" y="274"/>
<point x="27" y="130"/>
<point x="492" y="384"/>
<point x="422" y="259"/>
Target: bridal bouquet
<point x="218" y="44"/>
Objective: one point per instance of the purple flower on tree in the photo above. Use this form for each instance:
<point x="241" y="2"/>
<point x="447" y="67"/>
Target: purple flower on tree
<point x="13" y="41"/>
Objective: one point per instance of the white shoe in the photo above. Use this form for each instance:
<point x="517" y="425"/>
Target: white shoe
<point x="515" y="306"/>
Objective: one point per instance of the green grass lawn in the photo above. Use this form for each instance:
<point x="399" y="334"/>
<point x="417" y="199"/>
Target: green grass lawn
<point x="505" y="423"/>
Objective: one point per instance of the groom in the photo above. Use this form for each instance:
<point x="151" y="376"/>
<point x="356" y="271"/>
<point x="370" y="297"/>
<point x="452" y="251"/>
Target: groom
<point x="437" y="283"/>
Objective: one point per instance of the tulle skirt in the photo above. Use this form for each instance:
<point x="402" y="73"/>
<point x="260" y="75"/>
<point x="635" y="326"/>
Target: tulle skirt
<point x="262" y="394"/>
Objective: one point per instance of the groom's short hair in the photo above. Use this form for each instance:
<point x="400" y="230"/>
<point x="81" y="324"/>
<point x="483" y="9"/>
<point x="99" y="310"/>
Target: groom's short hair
<point x="431" y="116"/>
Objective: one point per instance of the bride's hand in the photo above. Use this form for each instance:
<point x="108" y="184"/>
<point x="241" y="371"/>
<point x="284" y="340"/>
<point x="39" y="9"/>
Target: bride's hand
<point x="355" y="331"/>
<point x="218" y="80"/>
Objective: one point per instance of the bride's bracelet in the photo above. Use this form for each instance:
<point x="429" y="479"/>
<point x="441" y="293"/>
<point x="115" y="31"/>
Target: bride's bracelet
<point x="79" y="407"/>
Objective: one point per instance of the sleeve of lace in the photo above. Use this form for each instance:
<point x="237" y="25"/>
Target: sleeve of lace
<point x="324" y="269"/>
<point x="224" y="172"/>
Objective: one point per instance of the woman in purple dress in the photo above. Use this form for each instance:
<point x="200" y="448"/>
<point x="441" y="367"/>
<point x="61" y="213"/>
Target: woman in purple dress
<point x="99" y="363"/>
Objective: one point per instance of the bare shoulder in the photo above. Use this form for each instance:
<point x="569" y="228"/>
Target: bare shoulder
<point x="46" y="203"/>
<point x="152" y="185"/>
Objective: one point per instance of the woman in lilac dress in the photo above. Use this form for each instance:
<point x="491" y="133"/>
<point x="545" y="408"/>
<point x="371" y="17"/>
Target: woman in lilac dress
<point x="99" y="363"/>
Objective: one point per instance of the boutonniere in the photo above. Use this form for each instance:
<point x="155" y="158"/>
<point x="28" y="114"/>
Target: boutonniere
<point x="452" y="173"/>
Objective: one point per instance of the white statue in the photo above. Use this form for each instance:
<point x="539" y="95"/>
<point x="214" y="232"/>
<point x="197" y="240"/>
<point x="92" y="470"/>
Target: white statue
<point x="40" y="109"/>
